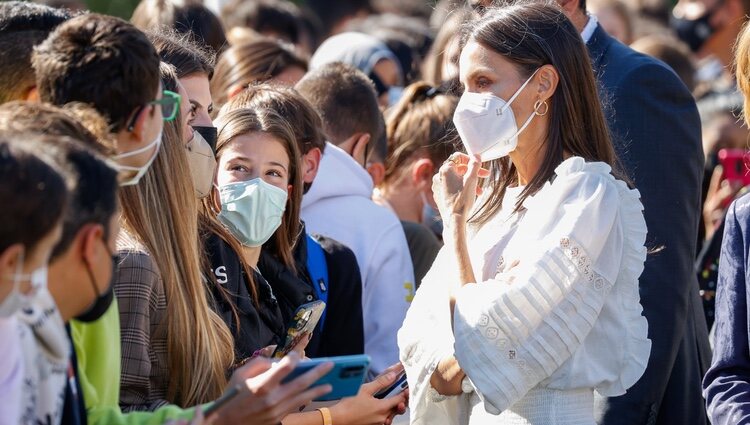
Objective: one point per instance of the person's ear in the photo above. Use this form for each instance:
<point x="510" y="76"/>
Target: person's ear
<point x="137" y="130"/>
<point x="9" y="260"/>
<point x="422" y="171"/>
<point x="289" y="189"/>
<point x="310" y="164"/>
<point x="548" y="78"/>
<point x="32" y="95"/>
<point x="92" y="239"/>
<point x="377" y="172"/>
<point x="360" y="148"/>
<point x="569" y="7"/>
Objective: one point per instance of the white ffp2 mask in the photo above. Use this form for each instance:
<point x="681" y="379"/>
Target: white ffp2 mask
<point x="487" y="125"/>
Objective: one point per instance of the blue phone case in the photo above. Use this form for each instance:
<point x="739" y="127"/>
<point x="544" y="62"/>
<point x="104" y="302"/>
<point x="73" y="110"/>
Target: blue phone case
<point x="347" y="375"/>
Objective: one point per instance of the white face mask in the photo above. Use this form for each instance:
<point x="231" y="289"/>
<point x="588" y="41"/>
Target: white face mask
<point x="202" y="164"/>
<point x="17" y="300"/>
<point x="487" y="125"/>
<point x="139" y="171"/>
<point x="252" y="210"/>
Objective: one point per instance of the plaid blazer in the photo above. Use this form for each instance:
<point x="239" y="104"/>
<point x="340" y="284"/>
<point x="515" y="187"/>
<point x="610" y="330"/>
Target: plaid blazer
<point x="143" y="307"/>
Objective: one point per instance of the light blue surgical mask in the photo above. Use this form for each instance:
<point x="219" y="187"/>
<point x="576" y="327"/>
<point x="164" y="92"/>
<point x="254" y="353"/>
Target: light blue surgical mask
<point x="252" y="210"/>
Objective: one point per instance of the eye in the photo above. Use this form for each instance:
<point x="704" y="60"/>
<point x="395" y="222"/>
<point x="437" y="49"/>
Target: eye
<point x="274" y="173"/>
<point x="483" y="83"/>
<point x="238" y="167"/>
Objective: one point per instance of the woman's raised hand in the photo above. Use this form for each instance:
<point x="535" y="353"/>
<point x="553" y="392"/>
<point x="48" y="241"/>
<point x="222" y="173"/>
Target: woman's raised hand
<point x="456" y="186"/>
<point x="263" y="398"/>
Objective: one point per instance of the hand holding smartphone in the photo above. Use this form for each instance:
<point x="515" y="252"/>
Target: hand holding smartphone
<point x="306" y="318"/>
<point x="399" y="385"/>
<point x="263" y="392"/>
<point x="346" y="377"/>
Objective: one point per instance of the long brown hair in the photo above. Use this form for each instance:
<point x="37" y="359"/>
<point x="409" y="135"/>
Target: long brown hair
<point x="161" y="213"/>
<point x="238" y="122"/>
<point x="532" y="35"/>
<point x="420" y="124"/>
<point x="252" y="62"/>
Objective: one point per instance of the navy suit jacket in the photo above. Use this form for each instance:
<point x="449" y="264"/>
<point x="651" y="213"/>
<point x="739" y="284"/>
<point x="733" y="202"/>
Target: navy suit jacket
<point x="657" y="135"/>
<point x="727" y="383"/>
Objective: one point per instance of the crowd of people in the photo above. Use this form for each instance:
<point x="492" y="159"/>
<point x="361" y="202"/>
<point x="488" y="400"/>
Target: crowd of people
<point x="534" y="209"/>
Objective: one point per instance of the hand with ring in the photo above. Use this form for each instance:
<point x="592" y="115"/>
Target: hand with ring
<point x="455" y="186"/>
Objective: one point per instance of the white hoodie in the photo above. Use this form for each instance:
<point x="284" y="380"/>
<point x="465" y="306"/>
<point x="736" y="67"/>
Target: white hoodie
<point x="339" y="206"/>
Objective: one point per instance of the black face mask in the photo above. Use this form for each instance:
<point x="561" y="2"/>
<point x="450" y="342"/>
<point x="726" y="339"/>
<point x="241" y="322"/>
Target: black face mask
<point x="695" y="32"/>
<point x="210" y="134"/>
<point x="103" y="301"/>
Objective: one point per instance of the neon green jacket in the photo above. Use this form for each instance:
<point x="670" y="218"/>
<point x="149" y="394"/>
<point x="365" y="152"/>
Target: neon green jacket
<point x="97" y="346"/>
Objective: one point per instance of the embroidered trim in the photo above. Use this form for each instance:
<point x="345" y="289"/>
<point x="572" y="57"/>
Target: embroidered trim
<point x="581" y="260"/>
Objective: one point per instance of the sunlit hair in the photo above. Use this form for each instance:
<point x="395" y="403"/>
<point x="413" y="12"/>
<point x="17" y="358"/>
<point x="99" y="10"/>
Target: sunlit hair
<point x="432" y="67"/>
<point x="254" y="62"/>
<point x="287" y="102"/>
<point x="76" y="120"/>
<point x="161" y="212"/>
<point x="742" y="68"/>
<point x="420" y="125"/>
<point x="531" y="35"/>
<point x="243" y="121"/>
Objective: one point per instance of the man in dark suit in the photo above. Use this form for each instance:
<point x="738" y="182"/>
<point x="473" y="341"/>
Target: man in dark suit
<point x="657" y="135"/>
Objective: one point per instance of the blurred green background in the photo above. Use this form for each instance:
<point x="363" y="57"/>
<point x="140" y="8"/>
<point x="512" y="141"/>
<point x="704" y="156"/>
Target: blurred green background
<point x="121" y="8"/>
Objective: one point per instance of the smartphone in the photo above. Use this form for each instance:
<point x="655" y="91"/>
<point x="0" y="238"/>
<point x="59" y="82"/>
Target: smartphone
<point x="735" y="163"/>
<point x="399" y="386"/>
<point x="302" y="326"/>
<point x="347" y="375"/>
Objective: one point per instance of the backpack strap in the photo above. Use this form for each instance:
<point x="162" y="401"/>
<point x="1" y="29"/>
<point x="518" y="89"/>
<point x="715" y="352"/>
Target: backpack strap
<point x="318" y="269"/>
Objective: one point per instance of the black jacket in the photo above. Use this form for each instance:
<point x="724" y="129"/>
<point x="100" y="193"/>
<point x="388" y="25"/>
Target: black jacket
<point x="259" y="325"/>
<point x="657" y="135"/>
<point x="343" y="333"/>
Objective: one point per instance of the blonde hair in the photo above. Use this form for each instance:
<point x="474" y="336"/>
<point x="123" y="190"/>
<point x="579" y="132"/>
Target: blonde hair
<point x="161" y="212"/>
<point x="237" y="122"/>
<point x="742" y="68"/>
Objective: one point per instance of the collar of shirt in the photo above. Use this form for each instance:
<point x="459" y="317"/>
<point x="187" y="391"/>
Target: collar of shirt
<point x="588" y="30"/>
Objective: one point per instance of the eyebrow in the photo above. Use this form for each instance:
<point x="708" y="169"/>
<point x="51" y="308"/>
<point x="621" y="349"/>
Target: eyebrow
<point x="480" y="70"/>
<point x="246" y="159"/>
<point x="278" y="164"/>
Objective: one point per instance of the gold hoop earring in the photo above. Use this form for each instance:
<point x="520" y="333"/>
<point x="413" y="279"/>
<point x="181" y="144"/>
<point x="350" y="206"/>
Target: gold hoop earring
<point x="538" y="104"/>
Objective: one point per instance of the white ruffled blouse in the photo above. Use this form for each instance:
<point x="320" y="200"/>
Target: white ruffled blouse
<point x="556" y="314"/>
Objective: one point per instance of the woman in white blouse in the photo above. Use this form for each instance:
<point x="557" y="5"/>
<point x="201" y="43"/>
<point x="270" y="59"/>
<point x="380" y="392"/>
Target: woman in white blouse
<point x="532" y="306"/>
